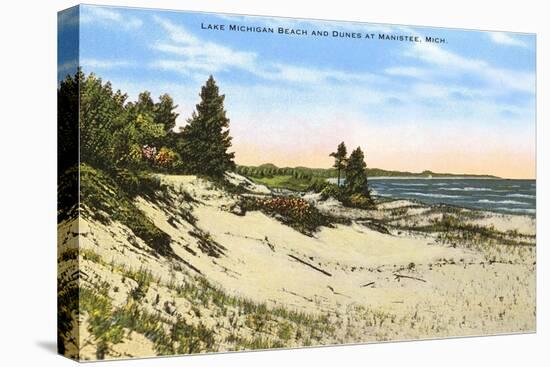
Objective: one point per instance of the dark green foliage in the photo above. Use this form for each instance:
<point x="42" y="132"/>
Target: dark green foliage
<point x="101" y="116"/>
<point x="331" y="190"/>
<point x="135" y="183"/>
<point x="294" y="212"/>
<point x="205" y="139"/>
<point x="189" y="339"/>
<point x="340" y="158"/>
<point x="144" y="126"/>
<point x="356" y="189"/>
<point x="114" y="133"/>
<point x="67" y="122"/>
<point x="128" y="180"/>
<point x="270" y="170"/>
<point x="67" y="194"/>
<point x="356" y="174"/>
<point x="164" y="112"/>
<point x="318" y="185"/>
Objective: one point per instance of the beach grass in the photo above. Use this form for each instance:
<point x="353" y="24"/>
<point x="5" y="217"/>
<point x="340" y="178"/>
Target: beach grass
<point x="179" y="310"/>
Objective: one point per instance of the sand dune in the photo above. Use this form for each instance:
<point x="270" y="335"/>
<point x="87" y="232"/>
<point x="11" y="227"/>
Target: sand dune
<point x="353" y="273"/>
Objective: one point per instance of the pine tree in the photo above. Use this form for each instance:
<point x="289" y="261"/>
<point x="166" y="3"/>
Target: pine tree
<point x="145" y="104"/>
<point x="339" y="159"/>
<point x="165" y="112"/>
<point x="101" y="116"/>
<point x="356" y="174"/>
<point x="205" y="138"/>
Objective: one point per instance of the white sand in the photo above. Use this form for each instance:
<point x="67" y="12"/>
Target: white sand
<point x="455" y="291"/>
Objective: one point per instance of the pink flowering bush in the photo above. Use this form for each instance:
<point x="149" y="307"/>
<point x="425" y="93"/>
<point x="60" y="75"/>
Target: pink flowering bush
<point x="149" y="152"/>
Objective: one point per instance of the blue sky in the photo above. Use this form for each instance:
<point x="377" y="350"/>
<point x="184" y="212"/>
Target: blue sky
<point x="467" y="105"/>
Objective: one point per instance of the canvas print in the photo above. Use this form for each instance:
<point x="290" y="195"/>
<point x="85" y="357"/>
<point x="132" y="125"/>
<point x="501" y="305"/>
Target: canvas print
<point x="235" y="183"/>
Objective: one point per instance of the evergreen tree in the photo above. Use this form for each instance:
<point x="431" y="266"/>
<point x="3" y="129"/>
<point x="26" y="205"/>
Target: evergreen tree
<point x="356" y="174"/>
<point x="205" y="139"/>
<point x="145" y="104"/>
<point x="101" y="115"/>
<point x="164" y="112"/>
<point x="339" y="159"/>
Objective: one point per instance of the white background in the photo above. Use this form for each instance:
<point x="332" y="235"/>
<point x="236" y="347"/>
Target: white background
<point x="28" y="183"/>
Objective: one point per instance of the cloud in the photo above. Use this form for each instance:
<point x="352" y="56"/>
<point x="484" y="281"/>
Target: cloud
<point x="498" y="78"/>
<point x="103" y="64"/>
<point x="408" y="71"/>
<point x="506" y="39"/>
<point x="197" y="55"/>
<point x="292" y="73"/>
<point x="106" y="17"/>
<point x="298" y="90"/>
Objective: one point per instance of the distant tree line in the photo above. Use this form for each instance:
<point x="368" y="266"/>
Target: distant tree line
<point x="270" y="170"/>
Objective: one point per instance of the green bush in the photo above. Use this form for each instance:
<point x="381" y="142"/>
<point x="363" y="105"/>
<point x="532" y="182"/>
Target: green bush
<point x="295" y="212"/>
<point x="128" y="181"/>
<point x="331" y="191"/>
<point x="359" y="201"/>
<point x="318" y="185"/>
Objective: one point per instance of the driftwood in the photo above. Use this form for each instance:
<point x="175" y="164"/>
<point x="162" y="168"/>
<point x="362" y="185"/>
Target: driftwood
<point x="265" y="240"/>
<point x="269" y="244"/>
<point x="399" y="276"/>
<point x="297" y="295"/>
<point x="336" y="293"/>
<point x="310" y="265"/>
<point x="375" y="225"/>
<point x="367" y="284"/>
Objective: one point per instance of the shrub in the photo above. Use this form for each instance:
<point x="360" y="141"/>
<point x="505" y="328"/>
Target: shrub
<point x="128" y="181"/>
<point x="318" y="185"/>
<point x="167" y="159"/>
<point x="331" y="191"/>
<point x="295" y="212"/>
<point x="359" y="201"/>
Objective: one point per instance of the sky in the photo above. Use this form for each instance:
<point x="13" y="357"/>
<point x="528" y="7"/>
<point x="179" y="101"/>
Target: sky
<point x="463" y="106"/>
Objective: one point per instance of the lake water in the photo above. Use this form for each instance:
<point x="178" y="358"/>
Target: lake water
<point x="499" y="195"/>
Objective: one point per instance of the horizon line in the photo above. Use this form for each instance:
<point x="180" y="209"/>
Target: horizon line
<point x="455" y="175"/>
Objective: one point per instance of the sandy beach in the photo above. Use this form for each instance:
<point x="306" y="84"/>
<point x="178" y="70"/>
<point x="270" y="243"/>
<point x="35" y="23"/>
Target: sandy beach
<point x="247" y="280"/>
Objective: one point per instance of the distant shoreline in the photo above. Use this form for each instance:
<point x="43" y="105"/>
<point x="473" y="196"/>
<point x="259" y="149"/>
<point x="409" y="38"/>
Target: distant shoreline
<point x="448" y="178"/>
<point x="440" y="178"/>
<point x="270" y="169"/>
